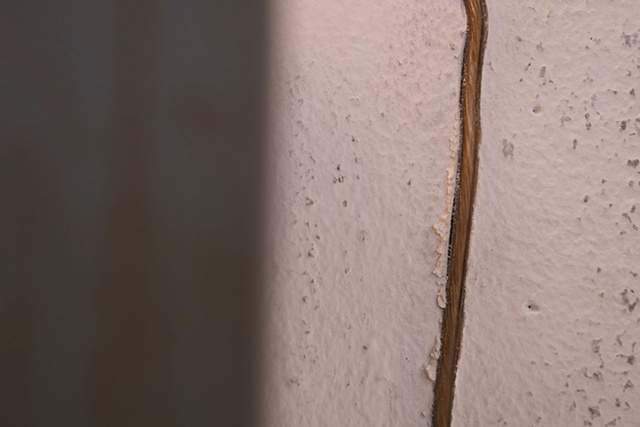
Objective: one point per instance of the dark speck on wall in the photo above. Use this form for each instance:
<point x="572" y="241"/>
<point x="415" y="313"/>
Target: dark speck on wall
<point x="507" y="149"/>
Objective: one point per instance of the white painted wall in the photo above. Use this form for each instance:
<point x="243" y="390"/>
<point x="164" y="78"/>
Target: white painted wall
<point x="365" y="106"/>
<point x="551" y="329"/>
<point x="364" y="130"/>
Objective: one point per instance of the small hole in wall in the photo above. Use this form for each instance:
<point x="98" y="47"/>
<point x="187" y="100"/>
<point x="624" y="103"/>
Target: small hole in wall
<point x="531" y="307"/>
<point x="537" y="109"/>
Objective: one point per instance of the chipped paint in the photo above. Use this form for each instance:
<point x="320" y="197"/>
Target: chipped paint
<point x="443" y="226"/>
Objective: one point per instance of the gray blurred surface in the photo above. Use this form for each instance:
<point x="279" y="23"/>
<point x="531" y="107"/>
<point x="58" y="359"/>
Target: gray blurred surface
<point x="130" y="149"/>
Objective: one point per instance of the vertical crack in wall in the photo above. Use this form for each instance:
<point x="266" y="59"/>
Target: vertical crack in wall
<point x="462" y="213"/>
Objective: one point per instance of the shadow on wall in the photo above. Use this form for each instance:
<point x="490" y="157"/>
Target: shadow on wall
<point x="130" y="162"/>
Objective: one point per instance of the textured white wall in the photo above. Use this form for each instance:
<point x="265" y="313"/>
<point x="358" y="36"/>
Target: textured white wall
<point x="551" y="327"/>
<point x="365" y="107"/>
<point x="365" y="126"/>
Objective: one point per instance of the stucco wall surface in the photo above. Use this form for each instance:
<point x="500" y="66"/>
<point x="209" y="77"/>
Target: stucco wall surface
<point x="552" y="322"/>
<point x="364" y="126"/>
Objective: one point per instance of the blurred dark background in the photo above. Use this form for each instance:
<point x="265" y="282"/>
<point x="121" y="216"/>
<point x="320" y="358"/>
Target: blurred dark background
<point x="130" y="170"/>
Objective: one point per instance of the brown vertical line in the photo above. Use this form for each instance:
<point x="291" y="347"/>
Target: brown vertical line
<point x="462" y="214"/>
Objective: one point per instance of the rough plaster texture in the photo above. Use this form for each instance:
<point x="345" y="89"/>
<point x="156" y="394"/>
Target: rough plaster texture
<point x="364" y="125"/>
<point x="554" y="278"/>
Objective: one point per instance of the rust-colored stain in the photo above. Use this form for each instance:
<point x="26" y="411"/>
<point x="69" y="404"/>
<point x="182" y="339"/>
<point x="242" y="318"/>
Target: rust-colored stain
<point x="461" y="218"/>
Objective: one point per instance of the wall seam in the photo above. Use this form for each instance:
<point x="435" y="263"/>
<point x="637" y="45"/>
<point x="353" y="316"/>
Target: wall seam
<point x="462" y="211"/>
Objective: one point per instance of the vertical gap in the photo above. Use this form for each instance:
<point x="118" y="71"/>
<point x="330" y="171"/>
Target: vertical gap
<point x="461" y="218"/>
